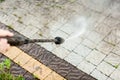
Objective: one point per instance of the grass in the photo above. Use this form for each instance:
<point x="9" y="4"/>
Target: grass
<point x="10" y="27"/>
<point x="20" y="21"/>
<point x="116" y="66"/>
<point x="40" y="34"/>
<point x="14" y="8"/>
<point x="5" y="71"/>
<point x="39" y="4"/>
<point x="1" y="1"/>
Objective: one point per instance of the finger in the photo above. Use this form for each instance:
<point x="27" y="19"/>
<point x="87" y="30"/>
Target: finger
<point x="7" y="47"/>
<point x="5" y="33"/>
<point x="4" y="41"/>
<point x="4" y="46"/>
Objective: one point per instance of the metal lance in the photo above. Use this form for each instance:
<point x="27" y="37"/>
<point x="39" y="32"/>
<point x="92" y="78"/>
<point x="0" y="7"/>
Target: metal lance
<point x="17" y="41"/>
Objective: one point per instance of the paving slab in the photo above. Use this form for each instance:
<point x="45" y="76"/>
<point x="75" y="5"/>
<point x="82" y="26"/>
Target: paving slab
<point x="79" y="22"/>
<point x="43" y="62"/>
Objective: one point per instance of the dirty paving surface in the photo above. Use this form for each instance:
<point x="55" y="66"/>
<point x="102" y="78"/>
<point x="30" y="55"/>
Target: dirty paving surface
<point x="91" y="30"/>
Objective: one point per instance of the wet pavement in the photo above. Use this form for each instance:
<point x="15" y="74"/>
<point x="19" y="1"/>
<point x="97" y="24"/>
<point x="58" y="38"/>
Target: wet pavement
<point x="91" y="30"/>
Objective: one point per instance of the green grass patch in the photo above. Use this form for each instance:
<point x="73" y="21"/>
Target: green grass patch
<point x="1" y="1"/>
<point x="5" y="71"/>
<point x="10" y="27"/>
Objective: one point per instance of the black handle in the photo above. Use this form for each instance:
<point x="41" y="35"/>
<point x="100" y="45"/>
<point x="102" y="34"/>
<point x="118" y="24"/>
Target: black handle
<point x="15" y="40"/>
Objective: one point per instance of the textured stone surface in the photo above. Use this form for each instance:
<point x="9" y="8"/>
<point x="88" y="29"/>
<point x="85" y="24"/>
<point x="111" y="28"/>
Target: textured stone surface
<point x="82" y="50"/>
<point x="12" y="52"/>
<point x="113" y="59"/>
<point x="115" y="75"/>
<point x="89" y="43"/>
<point x="54" y="76"/>
<point x="86" y="66"/>
<point x="95" y="57"/>
<point x="105" y="68"/>
<point x="105" y="47"/>
<point x="97" y="74"/>
<point x="73" y="58"/>
<point x="61" y="52"/>
<point x="94" y="22"/>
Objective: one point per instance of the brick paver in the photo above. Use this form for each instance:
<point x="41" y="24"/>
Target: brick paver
<point x="33" y="66"/>
<point x="98" y="45"/>
<point x="13" y="52"/>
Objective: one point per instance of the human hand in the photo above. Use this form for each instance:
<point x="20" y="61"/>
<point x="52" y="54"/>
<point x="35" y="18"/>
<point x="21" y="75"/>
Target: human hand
<point x="4" y="46"/>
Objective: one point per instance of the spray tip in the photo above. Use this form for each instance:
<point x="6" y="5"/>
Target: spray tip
<point x="59" y="40"/>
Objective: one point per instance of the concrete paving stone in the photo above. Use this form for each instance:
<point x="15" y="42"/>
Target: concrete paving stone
<point x="76" y="40"/>
<point x="38" y="69"/>
<point x="25" y="5"/>
<point x="113" y="59"/>
<point x="86" y="66"/>
<point x="68" y="28"/>
<point x="74" y="59"/>
<point x="30" y="20"/>
<point x="116" y="50"/>
<point x="54" y="64"/>
<point x="105" y="68"/>
<point x="16" y="70"/>
<point x="55" y="25"/>
<point x="103" y="29"/>
<point x="43" y="72"/>
<point x="101" y="5"/>
<point x="12" y="52"/>
<point x="49" y="46"/>
<point x="3" y="17"/>
<point x="111" y="21"/>
<point x="75" y="74"/>
<point x="82" y="50"/>
<point x="61" y="52"/>
<point x="95" y="57"/>
<point x="119" y="67"/>
<point x="95" y="37"/>
<point x="116" y="75"/>
<point x="105" y="47"/>
<point x="9" y="20"/>
<point x="32" y="65"/>
<point x="109" y="79"/>
<point x="64" y="19"/>
<point x="64" y="69"/>
<point x="69" y="13"/>
<point x="89" y="43"/>
<point x="37" y="36"/>
<point x="115" y="9"/>
<point x="112" y="38"/>
<point x="20" y="13"/>
<point x="44" y="32"/>
<point x="98" y="75"/>
<point x="60" y="34"/>
<point x="18" y="26"/>
<point x="28" y="29"/>
<point x="54" y="76"/>
<point x="70" y="45"/>
<point x="45" y="57"/>
<point x="93" y="18"/>
<point x="27" y="47"/>
<point x="78" y="8"/>
<point x="22" y="58"/>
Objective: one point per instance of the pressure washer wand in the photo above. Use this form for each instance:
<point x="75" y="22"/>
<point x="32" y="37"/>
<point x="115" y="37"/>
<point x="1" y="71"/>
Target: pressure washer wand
<point x="16" y="41"/>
